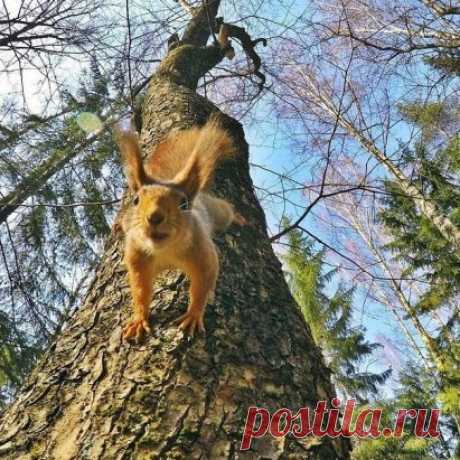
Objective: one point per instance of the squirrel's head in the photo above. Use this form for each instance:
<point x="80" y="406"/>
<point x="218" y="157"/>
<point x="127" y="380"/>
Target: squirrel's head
<point x="158" y="208"/>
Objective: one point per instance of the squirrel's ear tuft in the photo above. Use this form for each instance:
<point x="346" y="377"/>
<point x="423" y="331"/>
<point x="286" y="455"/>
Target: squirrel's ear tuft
<point x="188" y="179"/>
<point x="131" y="157"/>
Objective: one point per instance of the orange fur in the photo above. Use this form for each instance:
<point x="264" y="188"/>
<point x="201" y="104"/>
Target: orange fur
<point x="131" y="153"/>
<point x="159" y="233"/>
<point x="199" y="148"/>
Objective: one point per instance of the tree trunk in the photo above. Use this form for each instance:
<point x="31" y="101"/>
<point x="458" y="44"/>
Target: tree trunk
<point x="93" y="396"/>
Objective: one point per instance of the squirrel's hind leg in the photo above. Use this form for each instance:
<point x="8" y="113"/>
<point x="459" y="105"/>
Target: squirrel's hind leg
<point x="222" y="213"/>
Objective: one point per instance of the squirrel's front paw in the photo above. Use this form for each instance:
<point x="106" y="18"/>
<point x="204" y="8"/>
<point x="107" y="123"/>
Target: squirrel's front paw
<point x="136" y="328"/>
<point x="190" y="322"/>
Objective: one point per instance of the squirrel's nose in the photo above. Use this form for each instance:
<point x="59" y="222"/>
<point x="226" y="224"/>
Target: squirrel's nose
<point x="156" y="218"/>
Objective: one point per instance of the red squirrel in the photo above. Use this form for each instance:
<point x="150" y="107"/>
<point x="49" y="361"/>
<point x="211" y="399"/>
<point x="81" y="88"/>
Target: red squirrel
<point x="172" y="218"/>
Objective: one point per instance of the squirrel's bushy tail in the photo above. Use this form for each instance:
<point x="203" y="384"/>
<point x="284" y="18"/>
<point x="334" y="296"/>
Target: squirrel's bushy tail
<point x="212" y="145"/>
<point x="190" y="157"/>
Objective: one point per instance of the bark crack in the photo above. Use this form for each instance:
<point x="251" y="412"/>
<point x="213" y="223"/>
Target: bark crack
<point x="170" y="440"/>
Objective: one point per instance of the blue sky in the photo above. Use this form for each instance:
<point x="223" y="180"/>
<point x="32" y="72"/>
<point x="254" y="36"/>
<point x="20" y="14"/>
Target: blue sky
<point x="272" y="148"/>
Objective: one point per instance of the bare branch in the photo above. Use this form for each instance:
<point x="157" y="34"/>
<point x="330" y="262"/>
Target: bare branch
<point x="249" y="48"/>
<point x="187" y="7"/>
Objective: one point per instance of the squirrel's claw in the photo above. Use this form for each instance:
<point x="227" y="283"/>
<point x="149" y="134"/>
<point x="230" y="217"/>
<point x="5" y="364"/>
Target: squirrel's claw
<point x="191" y="321"/>
<point x="136" y="328"/>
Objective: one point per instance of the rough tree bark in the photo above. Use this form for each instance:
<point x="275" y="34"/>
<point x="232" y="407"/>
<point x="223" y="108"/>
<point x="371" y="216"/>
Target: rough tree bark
<point x="93" y="396"/>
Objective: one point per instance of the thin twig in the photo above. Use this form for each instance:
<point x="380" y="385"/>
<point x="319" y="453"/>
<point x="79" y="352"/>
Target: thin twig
<point x="69" y="205"/>
<point x="130" y="81"/>
<point x="186" y="5"/>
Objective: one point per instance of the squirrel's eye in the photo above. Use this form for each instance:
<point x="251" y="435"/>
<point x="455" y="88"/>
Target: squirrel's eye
<point x="135" y="200"/>
<point x="183" y="204"/>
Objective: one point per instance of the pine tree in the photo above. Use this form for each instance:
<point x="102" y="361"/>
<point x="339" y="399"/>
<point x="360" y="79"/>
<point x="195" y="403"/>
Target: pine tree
<point x="415" y="239"/>
<point x="330" y="317"/>
<point x="48" y="251"/>
<point x="417" y="389"/>
<point x="426" y="253"/>
<point x="17" y="356"/>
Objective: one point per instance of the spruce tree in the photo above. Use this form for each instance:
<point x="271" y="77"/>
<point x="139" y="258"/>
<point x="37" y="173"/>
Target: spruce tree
<point x="417" y="389"/>
<point x="51" y="242"/>
<point x="330" y="317"/>
<point x="426" y="253"/>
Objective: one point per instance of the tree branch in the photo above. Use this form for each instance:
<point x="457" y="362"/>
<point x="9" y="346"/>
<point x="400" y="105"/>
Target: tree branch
<point x="201" y="25"/>
<point x="249" y="48"/>
<point x="187" y="7"/>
